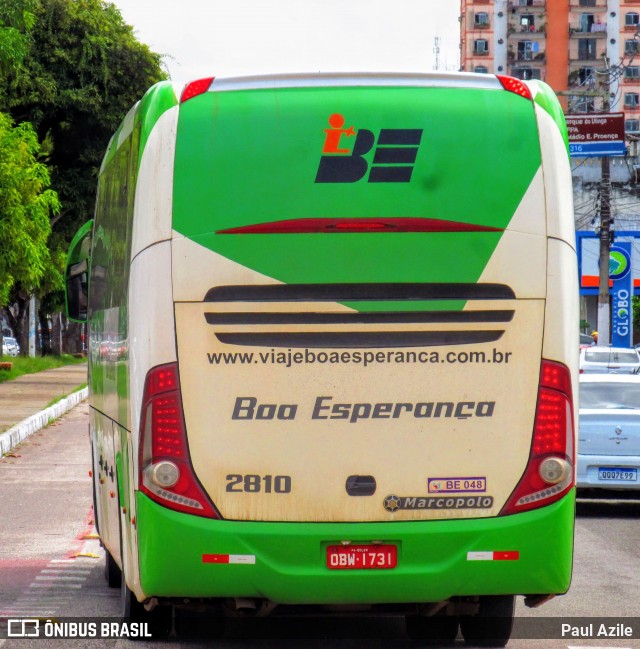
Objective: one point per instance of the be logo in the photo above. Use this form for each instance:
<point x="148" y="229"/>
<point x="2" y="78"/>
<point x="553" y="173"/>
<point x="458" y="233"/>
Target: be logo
<point x="393" y="159"/>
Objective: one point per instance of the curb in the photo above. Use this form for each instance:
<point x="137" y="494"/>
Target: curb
<point x="21" y="431"/>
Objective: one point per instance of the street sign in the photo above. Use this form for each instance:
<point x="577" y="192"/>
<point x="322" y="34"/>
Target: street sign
<point x="593" y="135"/>
<point x="597" y="149"/>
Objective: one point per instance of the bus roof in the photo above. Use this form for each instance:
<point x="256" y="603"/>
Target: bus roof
<point x="356" y="79"/>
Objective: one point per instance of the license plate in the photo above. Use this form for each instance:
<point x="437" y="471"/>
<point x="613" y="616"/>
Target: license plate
<point x="617" y="474"/>
<point x="362" y="557"/>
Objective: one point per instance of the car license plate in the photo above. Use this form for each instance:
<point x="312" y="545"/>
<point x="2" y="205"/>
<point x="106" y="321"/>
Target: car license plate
<point x="362" y="557"/>
<point x="615" y="474"/>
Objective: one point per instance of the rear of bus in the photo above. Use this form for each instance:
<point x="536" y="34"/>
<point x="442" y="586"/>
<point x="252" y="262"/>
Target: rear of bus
<point x="369" y="395"/>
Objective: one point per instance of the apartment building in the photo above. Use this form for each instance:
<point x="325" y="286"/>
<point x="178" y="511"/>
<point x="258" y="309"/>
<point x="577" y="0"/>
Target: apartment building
<point x="567" y="43"/>
<point x="570" y="44"/>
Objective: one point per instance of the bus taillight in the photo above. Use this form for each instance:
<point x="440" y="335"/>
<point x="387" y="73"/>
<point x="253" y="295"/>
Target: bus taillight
<point x="195" y="88"/>
<point x="514" y="85"/>
<point x="166" y="474"/>
<point x="549" y="474"/>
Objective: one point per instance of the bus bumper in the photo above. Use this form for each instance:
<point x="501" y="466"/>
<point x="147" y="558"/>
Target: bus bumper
<point x="286" y="562"/>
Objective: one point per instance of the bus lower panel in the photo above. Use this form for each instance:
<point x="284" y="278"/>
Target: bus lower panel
<point x="286" y="562"/>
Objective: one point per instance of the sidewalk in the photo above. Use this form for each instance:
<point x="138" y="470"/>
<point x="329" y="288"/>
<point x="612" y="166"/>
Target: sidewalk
<point x="24" y="401"/>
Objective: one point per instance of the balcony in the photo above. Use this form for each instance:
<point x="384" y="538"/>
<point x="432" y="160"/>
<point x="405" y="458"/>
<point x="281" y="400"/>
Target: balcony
<point x="586" y="57"/>
<point x="525" y="31"/>
<point x="526" y="4"/>
<point x="584" y="78"/>
<point x="596" y="5"/>
<point x="526" y="57"/>
<point x="525" y="73"/>
<point x="596" y="30"/>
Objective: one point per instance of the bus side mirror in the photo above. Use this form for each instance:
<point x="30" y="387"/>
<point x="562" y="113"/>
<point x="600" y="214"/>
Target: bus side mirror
<point x="77" y="274"/>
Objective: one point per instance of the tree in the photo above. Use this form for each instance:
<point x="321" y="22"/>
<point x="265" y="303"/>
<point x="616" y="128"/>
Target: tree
<point x="26" y="205"/>
<point x="16" y="21"/>
<point x="81" y="73"/>
<point x="84" y="71"/>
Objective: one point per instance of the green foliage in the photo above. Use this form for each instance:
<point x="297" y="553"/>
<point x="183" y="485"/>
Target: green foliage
<point x="84" y="70"/>
<point x="635" y="305"/>
<point x="26" y="205"/>
<point x="73" y="69"/>
<point x="16" y="21"/>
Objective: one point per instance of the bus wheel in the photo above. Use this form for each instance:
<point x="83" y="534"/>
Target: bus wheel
<point x="436" y="631"/>
<point x="158" y="621"/>
<point x="491" y="627"/>
<point x="112" y="571"/>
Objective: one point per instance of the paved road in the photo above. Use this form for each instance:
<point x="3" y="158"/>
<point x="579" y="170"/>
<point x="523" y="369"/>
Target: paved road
<point x="51" y="565"/>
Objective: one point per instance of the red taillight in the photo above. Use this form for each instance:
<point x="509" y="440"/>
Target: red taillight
<point x="195" y="88"/>
<point x="166" y="474"/>
<point x="549" y="474"/>
<point x="515" y="85"/>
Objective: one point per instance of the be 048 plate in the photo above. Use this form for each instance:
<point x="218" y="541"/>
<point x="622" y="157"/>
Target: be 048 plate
<point x="362" y="557"/>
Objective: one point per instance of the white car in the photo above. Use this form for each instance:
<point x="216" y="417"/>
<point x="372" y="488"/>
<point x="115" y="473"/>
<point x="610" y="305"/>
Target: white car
<point x="609" y="432"/>
<point x="609" y="360"/>
<point x="13" y="349"/>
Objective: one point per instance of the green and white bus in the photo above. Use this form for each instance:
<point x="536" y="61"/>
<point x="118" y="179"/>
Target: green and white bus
<point x="333" y="349"/>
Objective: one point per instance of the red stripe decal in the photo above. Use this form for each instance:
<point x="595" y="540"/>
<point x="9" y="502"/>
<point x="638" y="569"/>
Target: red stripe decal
<point x="344" y="225"/>
<point x="511" y="555"/>
<point x="215" y="558"/>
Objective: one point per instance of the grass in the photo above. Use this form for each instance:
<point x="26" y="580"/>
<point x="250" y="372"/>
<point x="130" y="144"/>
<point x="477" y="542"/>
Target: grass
<point x="25" y="365"/>
<point x="64" y="396"/>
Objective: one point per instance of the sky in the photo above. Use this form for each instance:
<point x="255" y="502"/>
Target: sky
<point x="203" y="38"/>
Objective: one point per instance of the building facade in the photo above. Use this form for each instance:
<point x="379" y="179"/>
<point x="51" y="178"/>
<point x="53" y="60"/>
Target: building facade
<point x="588" y="51"/>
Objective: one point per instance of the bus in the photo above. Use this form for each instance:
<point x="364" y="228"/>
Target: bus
<point x="332" y="330"/>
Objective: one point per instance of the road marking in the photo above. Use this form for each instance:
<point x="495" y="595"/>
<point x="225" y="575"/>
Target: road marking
<point x="59" y="578"/>
<point x="49" y="585"/>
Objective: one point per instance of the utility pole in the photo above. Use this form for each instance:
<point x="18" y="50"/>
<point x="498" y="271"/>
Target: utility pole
<point x="604" y="311"/>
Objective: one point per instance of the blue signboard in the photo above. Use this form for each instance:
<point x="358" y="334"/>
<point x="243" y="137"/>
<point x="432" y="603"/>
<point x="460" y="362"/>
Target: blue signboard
<point x="621" y="293"/>
<point x="597" y="149"/>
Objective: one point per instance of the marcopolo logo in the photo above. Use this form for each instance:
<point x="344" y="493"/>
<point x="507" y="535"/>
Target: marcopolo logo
<point x="344" y="162"/>
<point x="393" y="503"/>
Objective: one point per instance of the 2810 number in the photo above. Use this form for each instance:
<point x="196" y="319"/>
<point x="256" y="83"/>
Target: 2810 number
<point x="253" y="483"/>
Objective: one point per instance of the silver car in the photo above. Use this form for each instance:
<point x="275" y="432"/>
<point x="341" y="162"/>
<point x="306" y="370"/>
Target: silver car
<point x="13" y="349"/>
<point x="609" y="432"/>
<point x="609" y="360"/>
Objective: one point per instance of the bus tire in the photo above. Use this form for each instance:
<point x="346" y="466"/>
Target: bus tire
<point x="492" y="625"/>
<point x="112" y="572"/>
<point x="436" y="631"/>
<point x="159" y="620"/>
